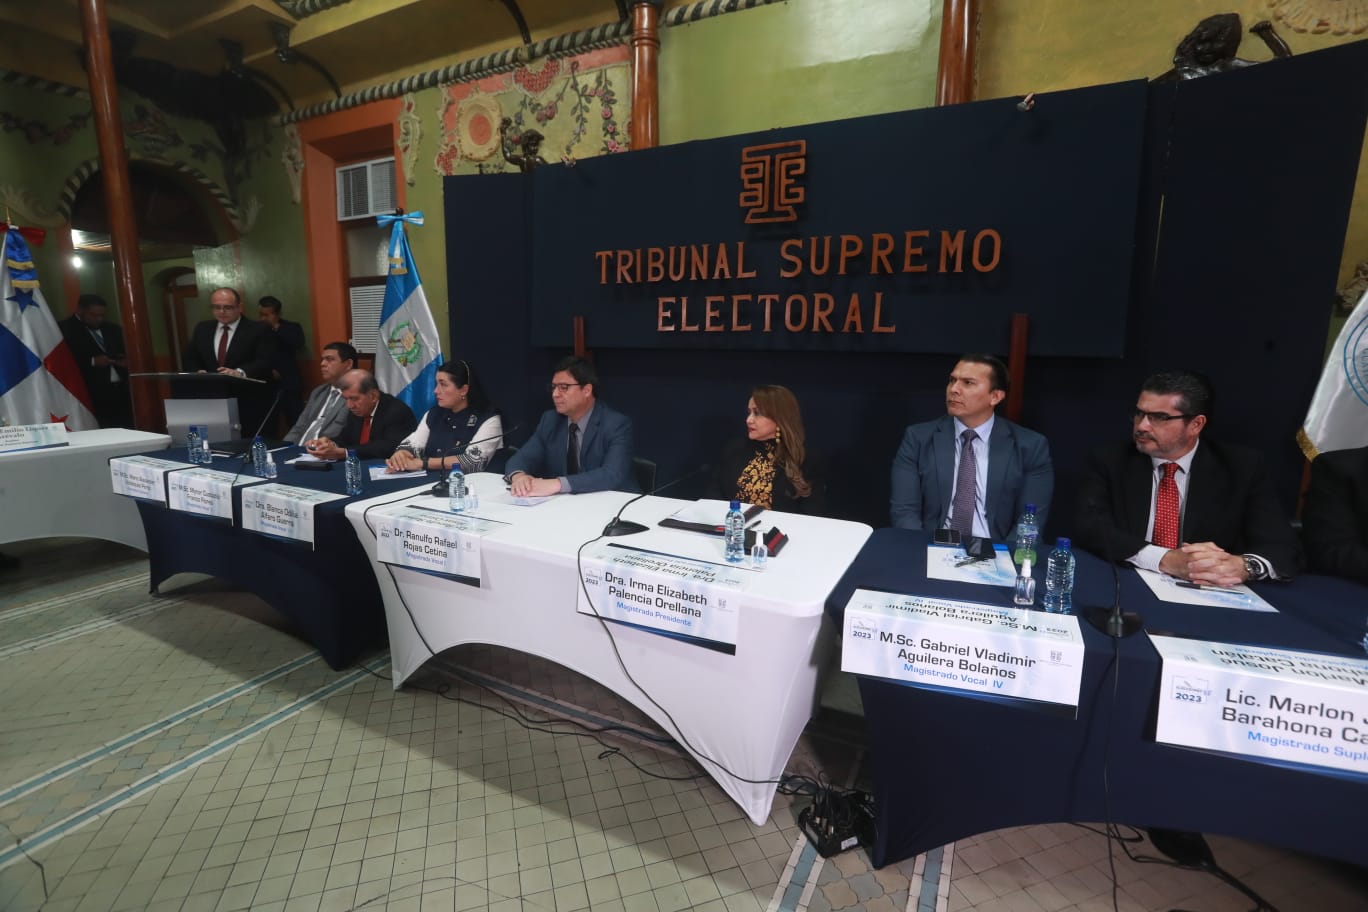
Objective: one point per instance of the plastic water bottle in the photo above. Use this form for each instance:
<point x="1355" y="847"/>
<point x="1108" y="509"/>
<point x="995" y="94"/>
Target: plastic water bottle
<point x="735" y="533"/>
<point x="1027" y="534"/>
<point x="353" y="473"/>
<point x="259" y="456"/>
<point x="1059" y="578"/>
<point x="271" y="470"/>
<point x="1023" y="592"/>
<point x="1365" y="637"/>
<point x="456" y="490"/>
<point x="192" y="444"/>
<point x="206" y="455"/>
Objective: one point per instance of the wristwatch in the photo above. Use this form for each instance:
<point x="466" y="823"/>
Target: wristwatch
<point x="1254" y="569"/>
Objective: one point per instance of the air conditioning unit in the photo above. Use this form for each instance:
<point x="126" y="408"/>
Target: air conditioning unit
<point x="366" y="189"/>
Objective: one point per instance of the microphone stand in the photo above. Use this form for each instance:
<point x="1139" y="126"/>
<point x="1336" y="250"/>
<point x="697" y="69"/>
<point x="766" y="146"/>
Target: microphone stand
<point x="443" y="486"/>
<point x="247" y="453"/>
<point x="1112" y="621"/>
<point x="619" y="526"/>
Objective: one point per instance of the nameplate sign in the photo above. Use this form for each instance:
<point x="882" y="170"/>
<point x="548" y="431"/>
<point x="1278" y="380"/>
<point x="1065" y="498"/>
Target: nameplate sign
<point x="206" y="492"/>
<point x="1273" y="704"/>
<point x="447" y="544"/>
<point x="32" y="437"/>
<point x="283" y="511"/>
<point x="143" y="477"/>
<point x="687" y="599"/>
<point x="1005" y="652"/>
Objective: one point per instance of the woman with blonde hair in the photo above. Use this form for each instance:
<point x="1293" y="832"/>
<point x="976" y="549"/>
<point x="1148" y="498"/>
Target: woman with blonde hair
<point x="771" y="466"/>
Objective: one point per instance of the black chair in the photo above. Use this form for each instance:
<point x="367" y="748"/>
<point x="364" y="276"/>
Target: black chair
<point x="499" y="461"/>
<point x="645" y="472"/>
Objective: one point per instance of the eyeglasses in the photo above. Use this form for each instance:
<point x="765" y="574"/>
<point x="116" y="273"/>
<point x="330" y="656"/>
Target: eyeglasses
<point x="560" y="387"/>
<point x="1158" y="418"/>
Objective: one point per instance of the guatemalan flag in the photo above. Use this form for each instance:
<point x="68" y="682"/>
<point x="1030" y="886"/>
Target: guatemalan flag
<point x="409" y="350"/>
<point x="39" y="380"/>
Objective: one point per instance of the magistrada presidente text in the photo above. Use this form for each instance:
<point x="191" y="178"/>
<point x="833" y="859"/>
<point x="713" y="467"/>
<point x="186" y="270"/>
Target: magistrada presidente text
<point x="918" y="251"/>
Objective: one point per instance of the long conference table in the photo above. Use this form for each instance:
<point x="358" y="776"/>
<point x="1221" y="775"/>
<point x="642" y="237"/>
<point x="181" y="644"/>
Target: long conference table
<point x="947" y="764"/>
<point x="326" y="590"/>
<point x="64" y="491"/>
<point x="739" y="715"/>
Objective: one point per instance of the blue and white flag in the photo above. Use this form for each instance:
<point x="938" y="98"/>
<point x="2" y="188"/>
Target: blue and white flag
<point x="1338" y="416"/>
<point x="409" y="350"/>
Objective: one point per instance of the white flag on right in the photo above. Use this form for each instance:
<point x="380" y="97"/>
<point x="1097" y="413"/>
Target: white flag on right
<point x="1338" y="416"/>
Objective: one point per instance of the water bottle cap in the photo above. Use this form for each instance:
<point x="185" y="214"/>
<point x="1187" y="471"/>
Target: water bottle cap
<point x="1062" y="542"/>
<point x="736" y="505"/>
<point x="1030" y="508"/>
<point x="257" y="439"/>
<point x="351" y="454"/>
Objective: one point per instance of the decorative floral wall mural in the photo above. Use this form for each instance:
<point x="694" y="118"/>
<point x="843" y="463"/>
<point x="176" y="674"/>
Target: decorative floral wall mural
<point x="578" y="104"/>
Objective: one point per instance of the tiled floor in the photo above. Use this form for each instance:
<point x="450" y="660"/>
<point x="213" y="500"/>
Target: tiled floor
<point x="184" y="752"/>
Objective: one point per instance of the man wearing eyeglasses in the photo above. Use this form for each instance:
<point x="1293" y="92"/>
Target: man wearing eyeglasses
<point x="579" y="446"/>
<point x="1173" y="501"/>
<point x="229" y="344"/>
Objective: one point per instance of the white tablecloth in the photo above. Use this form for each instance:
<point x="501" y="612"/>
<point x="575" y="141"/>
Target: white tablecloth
<point x="743" y="712"/>
<point x="64" y="491"/>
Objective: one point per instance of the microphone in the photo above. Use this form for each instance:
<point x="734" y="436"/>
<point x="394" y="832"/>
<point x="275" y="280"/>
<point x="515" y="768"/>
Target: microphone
<point x="247" y="453"/>
<point x="443" y="485"/>
<point x="1113" y="621"/>
<point x="619" y="526"/>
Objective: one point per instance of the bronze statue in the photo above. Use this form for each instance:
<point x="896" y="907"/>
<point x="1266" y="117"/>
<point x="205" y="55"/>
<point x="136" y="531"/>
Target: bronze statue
<point x="530" y="142"/>
<point x="1211" y="46"/>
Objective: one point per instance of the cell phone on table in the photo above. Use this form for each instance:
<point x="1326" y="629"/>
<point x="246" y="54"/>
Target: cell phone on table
<point x="946" y="537"/>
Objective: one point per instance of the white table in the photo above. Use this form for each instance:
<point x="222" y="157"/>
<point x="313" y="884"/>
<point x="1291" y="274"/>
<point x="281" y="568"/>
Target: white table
<point x="64" y="491"/>
<point x="744" y="711"/>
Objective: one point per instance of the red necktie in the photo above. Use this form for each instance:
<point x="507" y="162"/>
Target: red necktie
<point x="223" y="347"/>
<point x="1166" y="509"/>
<point x="365" y="429"/>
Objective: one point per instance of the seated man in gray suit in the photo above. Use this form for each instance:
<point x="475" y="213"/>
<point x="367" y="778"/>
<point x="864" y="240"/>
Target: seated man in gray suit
<point x="580" y="446"/>
<point x="980" y="488"/>
<point x="326" y="411"/>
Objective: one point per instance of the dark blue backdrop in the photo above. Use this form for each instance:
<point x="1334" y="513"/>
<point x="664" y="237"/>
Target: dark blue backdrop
<point x="1246" y="181"/>
<point x="1043" y="204"/>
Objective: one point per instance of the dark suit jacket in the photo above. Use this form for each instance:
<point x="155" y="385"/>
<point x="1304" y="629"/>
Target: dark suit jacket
<point x="1335" y="515"/>
<point x="84" y="347"/>
<point x="392" y="422"/>
<point x="739" y="452"/>
<point x="605" y="452"/>
<point x="1019" y="472"/>
<point x="252" y="349"/>
<point x="289" y="342"/>
<point x="1230" y="501"/>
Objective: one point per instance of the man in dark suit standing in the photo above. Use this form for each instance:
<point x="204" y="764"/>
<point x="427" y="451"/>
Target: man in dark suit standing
<point x="98" y="348"/>
<point x="230" y="344"/>
<point x="579" y="446"/>
<point x="1172" y="500"/>
<point x="289" y="337"/>
<point x="1335" y="515"/>
<point x="971" y="470"/>
<point x="375" y="426"/>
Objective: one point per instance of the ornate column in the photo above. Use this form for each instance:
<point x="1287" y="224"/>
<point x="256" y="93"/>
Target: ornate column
<point x="955" y="72"/>
<point x="645" y="86"/>
<point x="123" y="229"/>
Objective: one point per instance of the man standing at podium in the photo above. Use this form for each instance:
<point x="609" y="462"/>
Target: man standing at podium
<point x="228" y="344"/>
